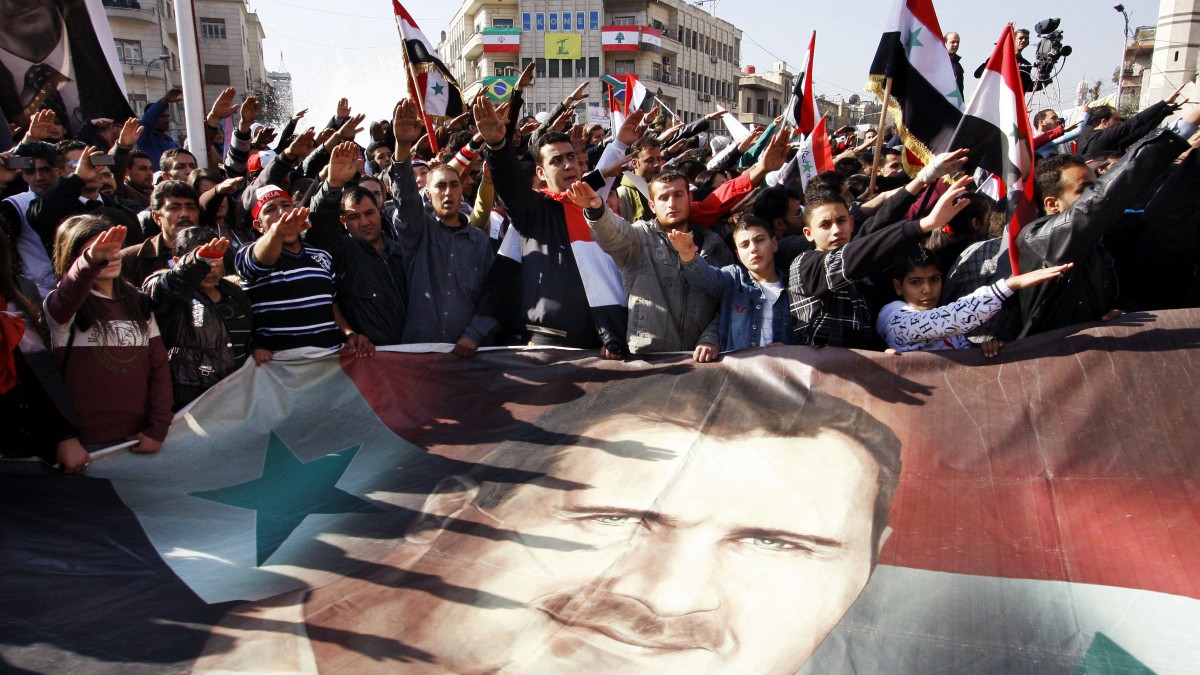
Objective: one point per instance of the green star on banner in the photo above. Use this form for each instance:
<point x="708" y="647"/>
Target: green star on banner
<point x="288" y="491"/>
<point x="955" y="95"/>
<point x="1105" y="657"/>
<point x="438" y="89"/>
<point x="913" y="40"/>
<point x="1016" y="133"/>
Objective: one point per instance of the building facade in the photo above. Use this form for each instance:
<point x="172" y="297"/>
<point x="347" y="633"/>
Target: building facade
<point x="762" y="96"/>
<point x="1176" y="48"/>
<point x="230" y="46"/>
<point x="684" y="56"/>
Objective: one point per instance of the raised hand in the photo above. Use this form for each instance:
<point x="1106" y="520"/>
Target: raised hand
<point x="406" y="124"/>
<point x="351" y="127"/>
<point x="324" y="135"/>
<point x="41" y="125"/>
<point x="945" y="164"/>
<point x="947" y="207"/>
<point x="131" y="131"/>
<point x="343" y="108"/>
<point x="714" y="116"/>
<point x="298" y="116"/>
<point x="174" y="96"/>
<point x="213" y="250"/>
<point x="222" y="108"/>
<point x="578" y="95"/>
<point x="263" y="136"/>
<point x="488" y="120"/>
<point x="293" y="223"/>
<point x="249" y="113"/>
<point x="459" y="122"/>
<point x="583" y="196"/>
<point x="343" y="164"/>
<point x="684" y="243"/>
<point x="107" y="247"/>
<point x="229" y="186"/>
<point x="631" y="128"/>
<point x="749" y="141"/>
<point x="669" y="132"/>
<point x="526" y="77"/>
<point x="578" y="139"/>
<point x="776" y="150"/>
<point x="85" y="170"/>
<point x="1036" y="277"/>
<point x="302" y="145"/>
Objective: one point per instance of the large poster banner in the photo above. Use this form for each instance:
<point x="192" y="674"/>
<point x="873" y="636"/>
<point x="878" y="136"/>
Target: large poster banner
<point x="782" y="510"/>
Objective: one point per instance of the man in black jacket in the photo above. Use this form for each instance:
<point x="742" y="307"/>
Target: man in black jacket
<point x="1080" y="210"/>
<point x="1107" y="132"/>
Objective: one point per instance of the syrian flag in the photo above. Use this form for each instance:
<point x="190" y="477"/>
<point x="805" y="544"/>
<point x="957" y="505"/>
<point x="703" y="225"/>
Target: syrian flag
<point x="815" y="155"/>
<point x="801" y="110"/>
<point x="924" y="98"/>
<point x="428" y="78"/>
<point x="995" y="129"/>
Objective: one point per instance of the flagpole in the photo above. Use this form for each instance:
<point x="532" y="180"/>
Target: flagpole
<point x="875" y="161"/>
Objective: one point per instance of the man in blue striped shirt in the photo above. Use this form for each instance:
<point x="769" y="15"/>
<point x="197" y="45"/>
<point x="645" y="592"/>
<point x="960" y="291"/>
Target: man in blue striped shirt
<point x="290" y="285"/>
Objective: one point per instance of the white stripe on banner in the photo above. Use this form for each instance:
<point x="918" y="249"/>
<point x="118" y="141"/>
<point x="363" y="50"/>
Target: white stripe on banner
<point x="604" y="287"/>
<point x="994" y="102"/>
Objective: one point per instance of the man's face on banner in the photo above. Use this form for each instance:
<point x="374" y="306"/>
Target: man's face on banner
<point x="39" y="28"/>
<point x="691" y="554"/>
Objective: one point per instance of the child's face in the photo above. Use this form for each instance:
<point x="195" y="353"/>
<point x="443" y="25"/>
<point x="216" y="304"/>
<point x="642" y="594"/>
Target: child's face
<point x="921" y="288"/>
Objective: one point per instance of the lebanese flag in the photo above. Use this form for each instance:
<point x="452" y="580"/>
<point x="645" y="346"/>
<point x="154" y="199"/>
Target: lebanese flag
<point x="815" y="155"/>
<point x="619" y="38"/>
<point x="996" y="131"/>
<point x="801" y="110"/>
<point x="501" y="39"/>
<point x="925" y="100"/>
<point x="428" y="78"/>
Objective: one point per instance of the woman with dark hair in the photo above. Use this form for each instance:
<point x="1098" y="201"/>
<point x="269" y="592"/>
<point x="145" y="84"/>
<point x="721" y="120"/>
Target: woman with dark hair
<point x="33" y="421"/>
<point x="219" y="207"/>
<point x="205" y="318"/>
<point x="106" y="340"/>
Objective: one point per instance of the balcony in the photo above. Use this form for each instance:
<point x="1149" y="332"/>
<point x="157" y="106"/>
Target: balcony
<point x="473" y="47"/>
<point x="757" y="82"/>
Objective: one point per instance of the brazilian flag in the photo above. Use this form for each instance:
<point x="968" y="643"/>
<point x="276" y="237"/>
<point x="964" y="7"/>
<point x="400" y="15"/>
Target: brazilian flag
<point x="499" y="89"/>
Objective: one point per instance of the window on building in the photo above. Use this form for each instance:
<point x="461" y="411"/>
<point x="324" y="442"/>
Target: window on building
<point x="129" y="51"/>
<point x="581" y="68"/>
<point x="553" y="67"/>
<point x="525" y="63"/>
<point x="695" y="39"/>
<point x="505" y="68"/>
<point x="506" y="23"/>
<point x="539" y="70"/>
<point x="553" y="20"/>
<point x="578" y="20"/>
<point x="566" y="21"/>
<point x="760" y="106"/>
<point x="541" y="21"/>
<point x="214" y="74"/>
<point x="625" y="67"/>
<point x="594" y="66"/>
<point x="213" y="29"/>
<point x="624" y="20"/>
<point x="594" y="21"/>
<point x="526" y="21"/>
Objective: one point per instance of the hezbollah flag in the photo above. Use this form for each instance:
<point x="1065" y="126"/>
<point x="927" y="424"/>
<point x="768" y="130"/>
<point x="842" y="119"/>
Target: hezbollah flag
<point x="783" y="510"/>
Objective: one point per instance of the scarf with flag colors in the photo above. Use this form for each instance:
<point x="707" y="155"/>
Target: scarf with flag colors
<point x="996" y="130"/>
<point x="924" y="99"/>
<point x="1039" y="525"/>
<point x="429" y="80"/>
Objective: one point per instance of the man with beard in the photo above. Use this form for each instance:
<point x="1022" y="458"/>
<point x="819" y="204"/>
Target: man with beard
<point x="667" y="530"/>
<point x="173" y="206"/>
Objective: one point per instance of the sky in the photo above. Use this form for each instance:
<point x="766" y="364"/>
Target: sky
<point x="351" y="48"/>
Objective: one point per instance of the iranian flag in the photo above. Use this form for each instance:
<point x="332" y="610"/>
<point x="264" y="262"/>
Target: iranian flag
<point x="619" y="38"/>
<point x="996" y="130"/>
<point x="501" y="39"/>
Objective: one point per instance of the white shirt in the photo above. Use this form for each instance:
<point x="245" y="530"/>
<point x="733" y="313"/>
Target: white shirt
<point x="34" y="260"/>
<point x="771" y="292"/>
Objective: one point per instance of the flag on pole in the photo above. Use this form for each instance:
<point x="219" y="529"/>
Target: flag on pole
<point x="625" y="93"/>
<point x="429" y="80"/>
<point x="736" y="129"/>
<point x="815" y="155"/>
<point x="801" y="110"/>
<point x="924" y="99"/>
<point x="996" y="131"/>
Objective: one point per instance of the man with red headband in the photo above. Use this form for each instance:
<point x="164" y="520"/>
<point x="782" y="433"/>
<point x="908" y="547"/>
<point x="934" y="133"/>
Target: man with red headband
<point x="290" y="285"/>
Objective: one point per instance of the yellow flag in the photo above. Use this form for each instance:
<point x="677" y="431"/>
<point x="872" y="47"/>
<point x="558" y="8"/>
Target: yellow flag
<point x="564" y="46"/>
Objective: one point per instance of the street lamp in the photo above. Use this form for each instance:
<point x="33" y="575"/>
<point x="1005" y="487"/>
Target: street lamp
<point x="146" y="82"/>
<point x="1124" y="46"/>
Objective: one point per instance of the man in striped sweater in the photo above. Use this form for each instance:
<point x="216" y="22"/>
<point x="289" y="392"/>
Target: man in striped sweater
<point x="290" y="285"/>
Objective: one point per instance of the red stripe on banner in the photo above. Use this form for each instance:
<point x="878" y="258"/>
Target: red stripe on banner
<point x="490" y="48"/>
<point x="923" y="11"/>
<point x="822" y="153"/>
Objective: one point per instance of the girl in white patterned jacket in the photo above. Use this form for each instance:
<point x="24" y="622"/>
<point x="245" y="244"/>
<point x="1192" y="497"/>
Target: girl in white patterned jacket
<point x="917" y="323"/>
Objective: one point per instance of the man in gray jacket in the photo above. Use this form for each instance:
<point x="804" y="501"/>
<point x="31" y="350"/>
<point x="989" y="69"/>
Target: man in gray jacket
<point x="666" y="314"/>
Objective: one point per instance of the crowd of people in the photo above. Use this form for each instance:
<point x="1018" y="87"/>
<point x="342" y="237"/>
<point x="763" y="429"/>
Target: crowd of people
<point x="134" y="281"/>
